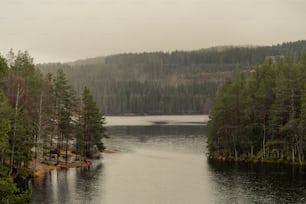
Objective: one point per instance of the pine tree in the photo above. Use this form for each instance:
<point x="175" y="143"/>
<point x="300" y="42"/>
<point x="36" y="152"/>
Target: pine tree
<point x="5" y="126"/>
<point x="91" y="129"/>
<point x="302" y="121"/>
<point x="19" y="86"/>
<point x="64" y="107"/>
<point x="270" y="114"/>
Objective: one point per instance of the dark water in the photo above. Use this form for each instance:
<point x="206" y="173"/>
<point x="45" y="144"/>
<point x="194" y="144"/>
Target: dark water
<point x="167" y="164"/>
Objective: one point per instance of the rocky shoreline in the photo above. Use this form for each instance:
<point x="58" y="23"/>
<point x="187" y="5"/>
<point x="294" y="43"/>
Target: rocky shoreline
<point x="74" y="161"/>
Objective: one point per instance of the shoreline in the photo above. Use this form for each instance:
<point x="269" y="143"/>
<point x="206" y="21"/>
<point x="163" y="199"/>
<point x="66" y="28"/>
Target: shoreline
<point x="254" y="161"/>
<point x="44" y="167"/>
<point x="41" y="168"/>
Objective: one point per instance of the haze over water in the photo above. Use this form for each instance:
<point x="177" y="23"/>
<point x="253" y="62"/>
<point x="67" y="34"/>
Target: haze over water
<point x="166" y="163"/>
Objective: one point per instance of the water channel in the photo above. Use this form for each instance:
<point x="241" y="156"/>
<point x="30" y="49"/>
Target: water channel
<point x="162" y="159"/>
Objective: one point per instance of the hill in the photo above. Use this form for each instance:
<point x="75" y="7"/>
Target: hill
<point x="178" y="82"/>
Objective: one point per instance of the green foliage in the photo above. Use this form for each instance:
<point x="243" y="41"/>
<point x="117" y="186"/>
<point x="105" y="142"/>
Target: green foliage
<point x="5" y="127"/>
<point x="63" y="105"/>
<point x="91" y="129"/>
<point x="263" y="114"/>
<point x="7" y="188"/>
<point x="35" y="113"/>
<point x="3" y="68"/>
<point x="9" y="193"/>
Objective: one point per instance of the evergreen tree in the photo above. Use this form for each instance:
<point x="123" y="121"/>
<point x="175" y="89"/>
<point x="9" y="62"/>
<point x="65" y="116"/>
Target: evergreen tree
<point x="4" y="133"/>
<point x="262" y="117"/>
<point x="64" y="98"/>
<point x="91" y="129"/>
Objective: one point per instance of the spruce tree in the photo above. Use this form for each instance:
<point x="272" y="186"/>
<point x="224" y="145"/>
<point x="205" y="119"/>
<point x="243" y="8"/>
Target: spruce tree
<point x="91" y="129"/>
<point x="64" y="107"/>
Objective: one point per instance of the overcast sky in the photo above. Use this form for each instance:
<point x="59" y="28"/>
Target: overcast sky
<point x="65" y="30"/>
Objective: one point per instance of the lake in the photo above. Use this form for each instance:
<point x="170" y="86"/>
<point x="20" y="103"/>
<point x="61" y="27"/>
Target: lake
<point x="162" y="159"/>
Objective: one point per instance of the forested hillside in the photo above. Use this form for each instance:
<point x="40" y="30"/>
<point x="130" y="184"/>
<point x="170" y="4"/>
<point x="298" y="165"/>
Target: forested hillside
<point x="262" y="116"/>
<point x="36" y="121"/>
<point x="179" y="82"/>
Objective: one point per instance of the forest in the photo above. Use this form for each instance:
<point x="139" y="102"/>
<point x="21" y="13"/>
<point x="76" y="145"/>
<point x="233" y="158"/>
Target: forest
<point x="261" y="116"/>
<point x="40" y="115"/>
<point x="178" y="82"/>
<point x="55" y="108"/>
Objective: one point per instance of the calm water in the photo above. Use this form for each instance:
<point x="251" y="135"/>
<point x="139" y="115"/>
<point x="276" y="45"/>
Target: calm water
<point x="162" y="160"/>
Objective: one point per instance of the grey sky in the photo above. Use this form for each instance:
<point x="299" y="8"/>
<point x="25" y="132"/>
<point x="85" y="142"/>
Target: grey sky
<point x="64" y="30"/>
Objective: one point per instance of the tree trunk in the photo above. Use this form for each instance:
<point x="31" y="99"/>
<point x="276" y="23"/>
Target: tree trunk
<point x="236" y="153"/>
<point x="66" y="149"/>
<point x="51" y="144"/>
<point x="264" y="140"/>
<point x="292" y="151"/>
<point x="38" y="136"/>
<point x="14" y="131"/>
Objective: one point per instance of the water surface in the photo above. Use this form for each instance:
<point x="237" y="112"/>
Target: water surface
<point x="162" y="160"/>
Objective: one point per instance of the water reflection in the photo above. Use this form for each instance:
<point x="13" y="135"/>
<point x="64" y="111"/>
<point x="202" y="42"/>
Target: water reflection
<point x="258" y="183"/>
<point x="176" y="138"/>
<point x="69" y="186"/>
<point x="167" y="164"/>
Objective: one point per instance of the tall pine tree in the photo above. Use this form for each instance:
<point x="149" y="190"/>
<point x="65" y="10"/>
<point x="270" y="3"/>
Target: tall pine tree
<point x="91" y="129"/>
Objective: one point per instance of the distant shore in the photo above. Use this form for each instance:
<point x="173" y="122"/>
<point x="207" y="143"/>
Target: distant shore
<point x="156" y="120"/>
<point x="254" y="161"/>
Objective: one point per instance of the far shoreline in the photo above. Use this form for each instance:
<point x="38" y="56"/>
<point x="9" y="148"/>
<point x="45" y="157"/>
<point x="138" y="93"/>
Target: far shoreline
<point x="254" y="161"/>
<point x="147" y="120"/>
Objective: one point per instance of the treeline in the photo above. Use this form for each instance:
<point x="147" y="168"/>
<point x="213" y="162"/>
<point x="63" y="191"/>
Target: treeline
<point x="148" y="98"/>
<point x="217" y="55"/>
<point x="262" y="116"/>
<point x="118" y="82"/>
<point x="39" y="115"/>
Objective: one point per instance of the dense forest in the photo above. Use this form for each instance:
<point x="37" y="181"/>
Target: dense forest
<point x="39" y="116"/>
<point x="178" y="82"/>
<point x="261" y="116"/>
